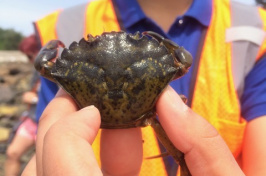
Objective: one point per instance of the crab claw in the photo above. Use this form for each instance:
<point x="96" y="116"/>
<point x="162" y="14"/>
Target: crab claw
<point x="183" y="57"/>
<point x="44" y="61"/>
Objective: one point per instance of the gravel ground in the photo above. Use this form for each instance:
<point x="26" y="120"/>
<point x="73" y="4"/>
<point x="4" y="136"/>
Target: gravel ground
<point x="2" y="161"/>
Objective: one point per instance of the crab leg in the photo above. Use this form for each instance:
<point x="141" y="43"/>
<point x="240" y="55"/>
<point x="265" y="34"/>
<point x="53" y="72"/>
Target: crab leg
<point x="171" y="149"/>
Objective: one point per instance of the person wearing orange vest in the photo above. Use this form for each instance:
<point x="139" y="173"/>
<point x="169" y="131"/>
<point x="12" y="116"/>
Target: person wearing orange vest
<point x="226" y="84"/>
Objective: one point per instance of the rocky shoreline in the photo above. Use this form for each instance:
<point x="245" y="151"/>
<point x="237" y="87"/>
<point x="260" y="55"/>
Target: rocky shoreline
<point x="15" y="76"/>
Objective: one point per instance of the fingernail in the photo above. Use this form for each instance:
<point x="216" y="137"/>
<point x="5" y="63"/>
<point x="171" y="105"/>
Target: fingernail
<point x="175" y="99"/>
<point x="88" y="108"/>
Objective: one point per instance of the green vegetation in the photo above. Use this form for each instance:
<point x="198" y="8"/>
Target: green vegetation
<point x="9" y="39"/>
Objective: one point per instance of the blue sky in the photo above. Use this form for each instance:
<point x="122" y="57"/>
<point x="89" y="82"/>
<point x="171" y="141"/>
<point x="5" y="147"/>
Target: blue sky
<point x="19" y="14"/>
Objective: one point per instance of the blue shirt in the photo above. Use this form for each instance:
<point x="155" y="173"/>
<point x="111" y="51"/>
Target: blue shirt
<point x="185" y="31"/>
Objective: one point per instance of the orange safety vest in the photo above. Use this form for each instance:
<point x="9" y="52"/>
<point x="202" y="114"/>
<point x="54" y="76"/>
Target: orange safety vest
<point x="216" y="97"/>
<point x="216" y="89"/>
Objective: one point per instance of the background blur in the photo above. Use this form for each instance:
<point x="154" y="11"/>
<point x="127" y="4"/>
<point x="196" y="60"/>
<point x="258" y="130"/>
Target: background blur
<point x="19" y="15"/>
<point x="16" y="22"/>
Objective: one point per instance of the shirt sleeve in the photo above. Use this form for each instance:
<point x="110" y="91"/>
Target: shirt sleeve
<point x="253" y="100"/>
<point x="47" y="92"/>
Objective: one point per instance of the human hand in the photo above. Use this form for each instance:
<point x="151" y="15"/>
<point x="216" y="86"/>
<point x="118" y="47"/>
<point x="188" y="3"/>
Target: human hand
<point x="205" y="151"/>
<point x="67" y="143"/>
<point x="64" y="143"/>
<point x="30" y="97"/>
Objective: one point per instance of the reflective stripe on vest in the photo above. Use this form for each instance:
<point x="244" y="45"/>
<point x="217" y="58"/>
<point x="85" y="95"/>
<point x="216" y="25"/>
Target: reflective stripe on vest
<point x="70" y="25"/>
<point x="246" y="35"/>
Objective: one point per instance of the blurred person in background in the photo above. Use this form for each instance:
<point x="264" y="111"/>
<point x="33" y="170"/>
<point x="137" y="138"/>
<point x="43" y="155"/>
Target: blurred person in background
<point x="25" y="132"/>
<point x="226" y="83"/>
<point x="262" y="3"/>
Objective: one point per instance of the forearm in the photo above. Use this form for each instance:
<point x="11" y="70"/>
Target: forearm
<point x="254" y="145"/>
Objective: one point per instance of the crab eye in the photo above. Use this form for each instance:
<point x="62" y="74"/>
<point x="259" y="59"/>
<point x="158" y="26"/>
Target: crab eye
<point x="183" y="56"/>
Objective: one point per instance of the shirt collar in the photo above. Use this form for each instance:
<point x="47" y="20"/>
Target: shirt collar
<point x="131" y="12"/>
<point x="201" y="11"/>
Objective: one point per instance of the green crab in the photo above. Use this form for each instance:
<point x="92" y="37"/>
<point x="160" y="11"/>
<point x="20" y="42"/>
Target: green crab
<point x="121" y="74"/>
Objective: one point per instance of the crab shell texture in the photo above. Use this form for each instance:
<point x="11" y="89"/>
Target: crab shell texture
<point x="121" y="74"/>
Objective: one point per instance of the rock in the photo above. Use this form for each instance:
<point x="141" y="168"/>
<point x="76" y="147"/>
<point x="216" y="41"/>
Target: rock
<point x="6" y="93"/>
<point x="10" y="111"/>
<point x="4" y="134"/>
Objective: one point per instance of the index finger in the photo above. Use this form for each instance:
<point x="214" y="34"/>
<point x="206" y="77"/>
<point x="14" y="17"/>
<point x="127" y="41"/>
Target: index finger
<point x="58" y="108"/>
<point x="61" y="105"/>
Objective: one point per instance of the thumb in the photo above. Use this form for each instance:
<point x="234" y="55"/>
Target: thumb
<point x="68" y="144"/>
<point x="205" y="151"/>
